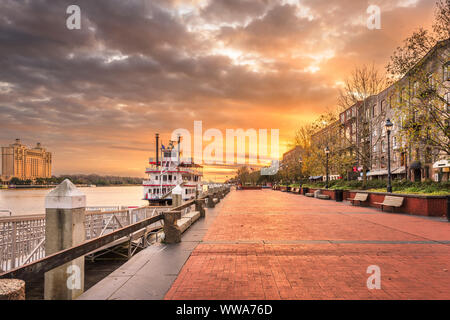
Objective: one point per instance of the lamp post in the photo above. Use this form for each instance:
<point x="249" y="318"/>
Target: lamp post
<point x="389" y="125"/>
<point x="327" y="152"/>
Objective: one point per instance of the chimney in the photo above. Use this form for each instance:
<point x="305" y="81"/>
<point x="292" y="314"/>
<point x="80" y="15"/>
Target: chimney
<point x="38" y="145"/>
<point x="17" y="141"/>
<point x="157" y="149"/>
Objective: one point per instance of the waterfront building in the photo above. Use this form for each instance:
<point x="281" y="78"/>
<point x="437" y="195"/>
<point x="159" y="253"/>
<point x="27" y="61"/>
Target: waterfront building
<point x="19" y="161"/>
<point x="413" y="155"/>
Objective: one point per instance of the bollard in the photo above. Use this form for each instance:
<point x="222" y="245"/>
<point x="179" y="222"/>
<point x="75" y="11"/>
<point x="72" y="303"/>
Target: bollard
<point x="12" y="289"/>
<point x="65" y="208"/>
<point x="199" y="207"/>
<point x="211" y="203"/>
<point x="172" y="231"/>
<point x="176" y="196"/>
<point x="217" y="196"/>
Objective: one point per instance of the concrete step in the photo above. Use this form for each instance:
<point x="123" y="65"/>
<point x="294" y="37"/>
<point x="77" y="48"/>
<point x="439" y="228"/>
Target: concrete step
<point x="187" y="220"/>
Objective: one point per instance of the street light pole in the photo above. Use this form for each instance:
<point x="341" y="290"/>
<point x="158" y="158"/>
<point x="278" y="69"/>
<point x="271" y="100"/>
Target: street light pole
<point x="389" y="125"/>
<point x="327" y="152"/>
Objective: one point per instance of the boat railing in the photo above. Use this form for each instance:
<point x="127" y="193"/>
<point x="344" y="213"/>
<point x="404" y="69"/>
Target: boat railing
<point x="7" y="211"/>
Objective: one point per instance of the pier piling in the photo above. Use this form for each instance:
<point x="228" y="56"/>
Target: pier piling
<point x="65" y="208"/>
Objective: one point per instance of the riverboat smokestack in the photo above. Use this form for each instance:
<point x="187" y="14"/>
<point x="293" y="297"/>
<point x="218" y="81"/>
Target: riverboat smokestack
<point x="157" y="149"/>
<point x="179" y="141"/>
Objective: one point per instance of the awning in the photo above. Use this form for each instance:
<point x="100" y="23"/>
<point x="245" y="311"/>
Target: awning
<point x="415" y="165"/>
<point x="441" y="164"/>
<point x="398" y="170"/>
<point x="315" y="177"/>
<point x="377" y="173"/>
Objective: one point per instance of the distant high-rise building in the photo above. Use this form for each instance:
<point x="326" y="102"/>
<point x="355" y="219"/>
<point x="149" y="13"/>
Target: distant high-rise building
<point x="18" y="161"/>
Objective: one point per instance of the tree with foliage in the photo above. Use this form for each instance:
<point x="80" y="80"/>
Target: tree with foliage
<point x="416" y="46"/>
<point x="421" y="98"/>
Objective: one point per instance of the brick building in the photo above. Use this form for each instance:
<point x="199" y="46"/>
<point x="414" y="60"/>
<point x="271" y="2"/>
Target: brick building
<point x="362" y="126"/>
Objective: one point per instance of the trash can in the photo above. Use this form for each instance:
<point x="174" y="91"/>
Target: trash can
<point x="305" y="190"/>
<point x="339" y="195"/>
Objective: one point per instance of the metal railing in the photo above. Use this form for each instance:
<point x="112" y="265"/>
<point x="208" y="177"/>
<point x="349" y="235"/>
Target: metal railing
<point x="22" y="238"/>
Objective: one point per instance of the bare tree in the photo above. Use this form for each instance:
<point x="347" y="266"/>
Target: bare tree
<point x="364" y="82"/>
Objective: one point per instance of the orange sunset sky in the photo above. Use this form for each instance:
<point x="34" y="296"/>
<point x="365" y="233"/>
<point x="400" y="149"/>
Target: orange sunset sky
<point x="95" y="97"/>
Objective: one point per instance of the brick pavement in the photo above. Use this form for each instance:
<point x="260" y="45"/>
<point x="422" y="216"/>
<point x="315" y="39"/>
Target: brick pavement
<point x="273" y="245"/>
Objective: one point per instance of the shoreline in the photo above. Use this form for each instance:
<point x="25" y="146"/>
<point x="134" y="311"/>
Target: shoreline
<point x="19" y="187"/>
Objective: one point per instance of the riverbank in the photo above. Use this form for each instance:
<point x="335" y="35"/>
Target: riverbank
<point x="46" y="186"/>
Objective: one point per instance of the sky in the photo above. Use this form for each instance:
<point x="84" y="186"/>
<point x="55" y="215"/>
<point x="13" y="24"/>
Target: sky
<point x="95" y="97"/>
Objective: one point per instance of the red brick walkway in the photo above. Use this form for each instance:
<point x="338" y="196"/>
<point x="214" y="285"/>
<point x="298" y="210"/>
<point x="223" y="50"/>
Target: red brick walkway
<point x="273" y="245"/>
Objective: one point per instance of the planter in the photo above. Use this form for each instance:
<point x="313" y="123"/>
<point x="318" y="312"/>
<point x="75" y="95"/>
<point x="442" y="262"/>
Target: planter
<point x="422" y="205"/>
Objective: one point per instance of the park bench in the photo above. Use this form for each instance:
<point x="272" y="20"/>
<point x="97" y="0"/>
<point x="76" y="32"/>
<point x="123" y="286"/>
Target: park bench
<point x="390" y="201"/>
<point x="360" y="197"/>
<point x="311" y="195"/>
<point x="323" y="197"/>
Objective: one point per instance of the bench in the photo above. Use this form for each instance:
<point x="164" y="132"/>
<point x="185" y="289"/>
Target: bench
<point x="323" y="197"/>
<point x="311" y="195"/>
<point x="360" y="197"/>
<point x="390" y="201"/>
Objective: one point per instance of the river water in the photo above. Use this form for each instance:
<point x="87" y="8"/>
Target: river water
<point x="32" y="201"/>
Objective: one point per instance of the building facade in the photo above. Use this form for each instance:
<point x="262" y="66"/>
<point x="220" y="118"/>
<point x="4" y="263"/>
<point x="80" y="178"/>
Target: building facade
<point x="19" y="161"/>
<point x="362" y="129"/>
<point x="291" y="163"/>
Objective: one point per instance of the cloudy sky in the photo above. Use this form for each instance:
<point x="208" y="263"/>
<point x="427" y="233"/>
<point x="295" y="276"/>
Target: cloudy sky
<point x="96" y="96"/>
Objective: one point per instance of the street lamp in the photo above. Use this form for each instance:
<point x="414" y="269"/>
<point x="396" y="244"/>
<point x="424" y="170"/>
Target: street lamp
<point x="327" y="152"/>
<point x="388" y="126"/>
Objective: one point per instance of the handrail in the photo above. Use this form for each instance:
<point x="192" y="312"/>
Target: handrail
<point x="57" y="259"/>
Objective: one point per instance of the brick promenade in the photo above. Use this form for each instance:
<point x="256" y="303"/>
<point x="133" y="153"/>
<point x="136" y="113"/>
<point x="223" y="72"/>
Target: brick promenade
<point x="273" y="245"/>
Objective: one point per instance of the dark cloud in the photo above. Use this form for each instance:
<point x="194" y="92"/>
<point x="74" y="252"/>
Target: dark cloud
<point x="137" y="67"/>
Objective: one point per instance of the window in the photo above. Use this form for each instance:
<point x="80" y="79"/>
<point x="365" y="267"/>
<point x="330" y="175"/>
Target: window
<point x="374" y="110"/>
<point x="342" y="118"/>
<point x="415" y="88"/>
<point x="447" y="71"/>
<point x="383" y="106"/>
<point x="447" y="98"/>
<point x="383" y="146"/>
<point x="403" y="159"/>
<point x="431" y="82"/>
<point x="394" y="142"/>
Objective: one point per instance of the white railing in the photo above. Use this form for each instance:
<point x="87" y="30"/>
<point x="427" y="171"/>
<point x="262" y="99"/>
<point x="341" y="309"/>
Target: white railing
<point x="22" y="238"/>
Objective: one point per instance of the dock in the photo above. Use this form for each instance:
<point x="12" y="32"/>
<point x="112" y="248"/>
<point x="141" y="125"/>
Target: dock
<point x="264" y="244"/>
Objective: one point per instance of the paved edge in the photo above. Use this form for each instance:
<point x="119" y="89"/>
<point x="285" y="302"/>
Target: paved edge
<point x="150" y="274"/>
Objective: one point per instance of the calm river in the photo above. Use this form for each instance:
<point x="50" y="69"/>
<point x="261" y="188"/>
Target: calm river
<point x="31" y="201"/>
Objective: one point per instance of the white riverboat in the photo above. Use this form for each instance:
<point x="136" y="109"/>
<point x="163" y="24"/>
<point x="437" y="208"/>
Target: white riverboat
<point x="169" y="170"/>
